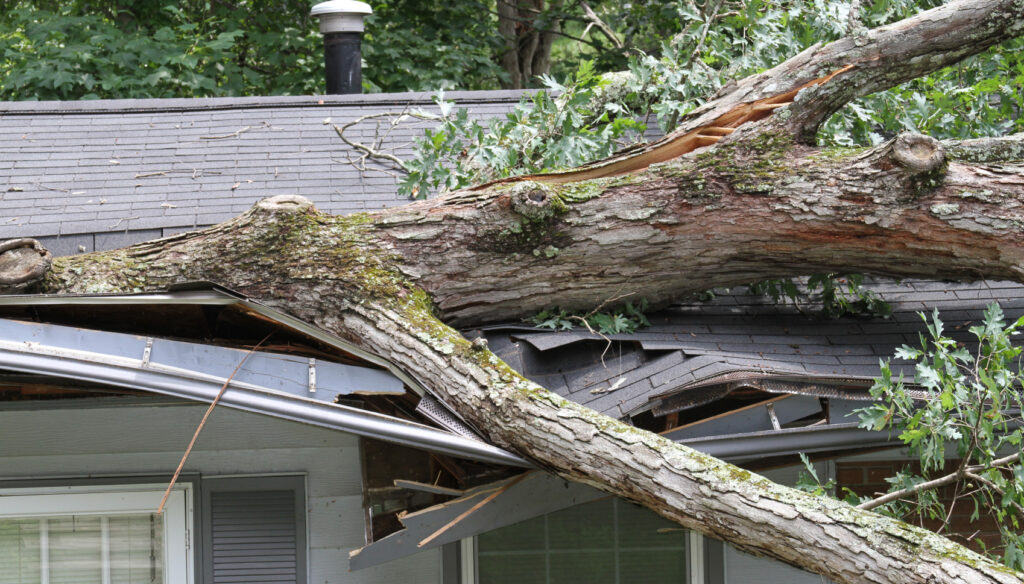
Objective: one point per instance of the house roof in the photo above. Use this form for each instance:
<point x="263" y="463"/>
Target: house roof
<point x="695" y="348"/>
<point x="82" y="176"/>
<point x="102" y="174"/>
<point x="89" y="175"/>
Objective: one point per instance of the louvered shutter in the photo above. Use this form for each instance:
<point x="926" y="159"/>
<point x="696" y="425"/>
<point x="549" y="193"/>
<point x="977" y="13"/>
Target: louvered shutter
<point x="255" y="535"/>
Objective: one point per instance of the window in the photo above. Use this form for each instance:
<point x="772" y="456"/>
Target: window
<point x="607" y="541"/>
<point x="95" y="535"/>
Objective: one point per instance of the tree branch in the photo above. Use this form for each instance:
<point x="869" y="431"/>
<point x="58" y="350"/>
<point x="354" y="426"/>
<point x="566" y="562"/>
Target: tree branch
<point x="994" y="487"/>
<point x="698" y="222"/>
<point x="985" y="150"/>
<point x="372" y="151"/>
<point x="337" y="273"/>
<point x="918" y="488"/>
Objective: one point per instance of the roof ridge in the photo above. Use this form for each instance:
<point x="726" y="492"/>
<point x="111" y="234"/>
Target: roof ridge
<point x="163" y="105"/>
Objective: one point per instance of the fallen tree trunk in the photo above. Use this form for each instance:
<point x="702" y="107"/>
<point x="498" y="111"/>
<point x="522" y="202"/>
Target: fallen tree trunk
<point x="748" y="201"/>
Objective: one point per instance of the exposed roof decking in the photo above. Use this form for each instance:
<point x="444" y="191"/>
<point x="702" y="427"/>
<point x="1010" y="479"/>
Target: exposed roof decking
<point x="105" y="174"/>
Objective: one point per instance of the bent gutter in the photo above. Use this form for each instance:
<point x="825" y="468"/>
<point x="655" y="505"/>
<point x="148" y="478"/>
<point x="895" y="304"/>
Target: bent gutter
<point x="208" y="294"/>
<point x="135" y="374"/>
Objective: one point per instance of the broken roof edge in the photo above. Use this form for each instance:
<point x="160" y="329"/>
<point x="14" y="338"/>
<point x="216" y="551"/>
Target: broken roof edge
<point x="34" y="358"/>
<point x="332" y="416"/>
<point x="208" y="293"/>
<point x="123" y="106"/>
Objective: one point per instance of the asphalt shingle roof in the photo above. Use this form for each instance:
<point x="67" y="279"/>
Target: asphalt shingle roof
<point x="690" y="343"/>
<point x="98" y="175"/>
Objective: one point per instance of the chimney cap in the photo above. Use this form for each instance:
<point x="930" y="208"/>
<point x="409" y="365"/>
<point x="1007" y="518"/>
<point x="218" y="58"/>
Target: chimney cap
<point x="341" y="7"/>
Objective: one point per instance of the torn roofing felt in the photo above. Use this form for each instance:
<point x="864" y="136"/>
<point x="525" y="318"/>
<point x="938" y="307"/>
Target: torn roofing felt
<point x="693" y="353"/>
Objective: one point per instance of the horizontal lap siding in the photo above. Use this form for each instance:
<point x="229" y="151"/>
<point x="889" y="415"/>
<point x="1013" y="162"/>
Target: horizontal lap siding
<point x="145" y="440"/>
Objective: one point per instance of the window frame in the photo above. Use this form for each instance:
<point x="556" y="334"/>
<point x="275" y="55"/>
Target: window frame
<point x="703" y="556"/>
<point x="116" y="499"/>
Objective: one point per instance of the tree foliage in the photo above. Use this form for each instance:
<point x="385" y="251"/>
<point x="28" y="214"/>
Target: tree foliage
<point x="78" y="50"/>
<point x="412" y="45"/>
<point x="970" y="409"/>
<point x="716" y="42"/>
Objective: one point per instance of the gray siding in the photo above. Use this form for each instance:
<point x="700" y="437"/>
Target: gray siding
<point x="95" y="442"/>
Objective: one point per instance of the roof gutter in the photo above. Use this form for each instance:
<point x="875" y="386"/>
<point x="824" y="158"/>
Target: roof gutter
<point x="213" y="296"/>
<point x="130" y="373"/>
<point x="742" y="447"/>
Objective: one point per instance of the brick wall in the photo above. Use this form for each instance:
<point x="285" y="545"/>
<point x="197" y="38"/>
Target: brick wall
<point x="867" y="478"/>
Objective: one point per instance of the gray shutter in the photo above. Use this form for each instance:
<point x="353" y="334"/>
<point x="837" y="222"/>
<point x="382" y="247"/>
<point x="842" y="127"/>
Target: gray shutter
<point x="255" y="535"/>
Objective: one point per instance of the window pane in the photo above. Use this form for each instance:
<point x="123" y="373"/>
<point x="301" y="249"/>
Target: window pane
<point x="136" y="549"/>
<point x="607" y="541"/>
<point x="74" y="550"/>
<point x="657" y="567"/>
<point x="638" y="528"/>
<point x="19" y="551"/>
<point x="81" y="549"/>
<point x="514" y="568"/>
<point x="580" y="567"/>
<point x="589" y="526"/>
<point x="524" y="536"/>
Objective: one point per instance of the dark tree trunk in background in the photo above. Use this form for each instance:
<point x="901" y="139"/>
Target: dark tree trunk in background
<point x="528" y="28"/>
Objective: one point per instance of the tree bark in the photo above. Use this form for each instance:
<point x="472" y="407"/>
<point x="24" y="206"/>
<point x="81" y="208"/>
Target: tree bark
<point x="731" y="197"/>
<point x="529" y="30"/>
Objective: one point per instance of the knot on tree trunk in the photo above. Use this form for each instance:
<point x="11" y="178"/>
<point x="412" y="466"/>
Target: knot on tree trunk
<point x="22" y="262"/>
<point x="285" y="204"/>
<point x="534" y="201"/>
<point x="918" y="153"/>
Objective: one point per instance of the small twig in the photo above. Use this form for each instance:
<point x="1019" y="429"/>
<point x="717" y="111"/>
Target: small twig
<point x="119" y="221"/>
<point x="854" y="24"/>
<point x="369" y="150"/>
<point x="202" y="423"/>
<point x="970" y="471"/>
<point x="704" y="34"/>
<point x="890" y="497"/>
<point x="46" y="188"/>
<point x="234" y="134"/>
<point x="994" y="487"/>
<point x="1015" y="457"/>
<point x="149" y="174"/>
<point x="595" y="310"/>
<point x="594" y="20"/>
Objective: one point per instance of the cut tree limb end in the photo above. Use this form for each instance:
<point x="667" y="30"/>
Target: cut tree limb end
<point x="918" y="153"/>
<point x="22" y="262"/>
<point x="285" y="204"/>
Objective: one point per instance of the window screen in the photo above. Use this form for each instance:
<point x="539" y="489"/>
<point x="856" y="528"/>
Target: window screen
<point x="604" y="542"/>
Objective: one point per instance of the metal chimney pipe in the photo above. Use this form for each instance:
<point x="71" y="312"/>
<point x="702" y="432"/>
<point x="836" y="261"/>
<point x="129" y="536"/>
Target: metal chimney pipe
<point x="341" y="23"/>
